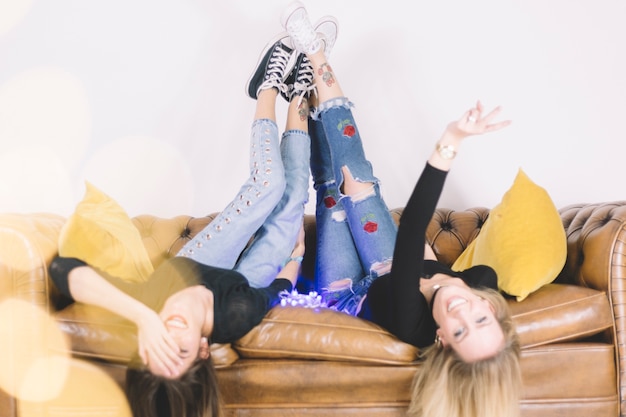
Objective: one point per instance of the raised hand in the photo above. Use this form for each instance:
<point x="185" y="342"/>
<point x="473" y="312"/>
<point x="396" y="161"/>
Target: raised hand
<point x="472" y="122"/>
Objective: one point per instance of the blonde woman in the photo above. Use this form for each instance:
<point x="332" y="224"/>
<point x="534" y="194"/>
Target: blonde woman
<point x="367" y="267"/>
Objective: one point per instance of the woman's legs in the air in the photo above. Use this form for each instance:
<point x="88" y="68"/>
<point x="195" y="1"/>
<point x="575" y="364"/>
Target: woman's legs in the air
<point x="352" y="197"/>
<point x="348" y="192"/>
<point x="275" y="240"/>
<point x="221" y="242"/>
<point x="337" y="257"/>
<point x="371" y="225"/>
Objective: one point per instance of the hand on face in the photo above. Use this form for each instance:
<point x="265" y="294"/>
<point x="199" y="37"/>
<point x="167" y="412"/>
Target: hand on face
<point x="157" y="348"/>
<point x="191" y="346"/>
<point x="183" y="318"/>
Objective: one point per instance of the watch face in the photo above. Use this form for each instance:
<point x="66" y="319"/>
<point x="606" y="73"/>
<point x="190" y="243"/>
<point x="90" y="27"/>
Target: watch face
<point x="446" y="152"/>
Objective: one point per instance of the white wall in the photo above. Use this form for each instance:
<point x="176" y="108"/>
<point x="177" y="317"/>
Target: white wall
<point x="145" y="98"/>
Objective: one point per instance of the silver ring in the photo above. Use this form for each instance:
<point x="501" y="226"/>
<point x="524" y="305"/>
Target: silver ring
<point x="471" y="119"/>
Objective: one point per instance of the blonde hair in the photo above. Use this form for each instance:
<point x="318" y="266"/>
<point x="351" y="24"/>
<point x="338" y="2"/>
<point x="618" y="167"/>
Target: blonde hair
<point x="447" y="386"/>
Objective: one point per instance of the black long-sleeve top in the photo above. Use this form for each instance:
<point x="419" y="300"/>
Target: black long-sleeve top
<point x="394" y="301"/>
<point x="237" y="307"/>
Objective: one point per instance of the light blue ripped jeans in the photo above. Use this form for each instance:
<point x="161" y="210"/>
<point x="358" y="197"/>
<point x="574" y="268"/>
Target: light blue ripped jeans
<point x="355" y="236"/>
<point x="269" y="207"/>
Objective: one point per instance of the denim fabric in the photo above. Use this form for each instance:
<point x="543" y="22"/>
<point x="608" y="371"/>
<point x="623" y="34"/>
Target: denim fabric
<point x="355" y="238"/>
<point x="275" y="240"/>
<point x="267" y="206"/>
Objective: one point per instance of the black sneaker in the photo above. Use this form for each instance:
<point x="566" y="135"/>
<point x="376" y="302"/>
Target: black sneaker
<point x="274" y="66"/>
<point x="300" y="81"/>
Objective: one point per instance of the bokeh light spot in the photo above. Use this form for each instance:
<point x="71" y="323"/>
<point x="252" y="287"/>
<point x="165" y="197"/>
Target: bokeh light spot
<point x="144" y="175"/>
<point x="33" y="353"/>
<point x="12" y="12"/>
<point x="88" y="391"/>
<point x="34" y="179"/>
<point x="45" y="106"/>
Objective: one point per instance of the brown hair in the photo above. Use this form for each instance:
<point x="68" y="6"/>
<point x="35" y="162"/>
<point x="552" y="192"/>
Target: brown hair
<point x="194" y="394"/>
<point x="447" y="386"/>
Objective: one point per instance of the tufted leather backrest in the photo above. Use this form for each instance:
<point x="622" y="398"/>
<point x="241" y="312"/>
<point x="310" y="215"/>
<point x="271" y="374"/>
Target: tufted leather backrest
<point x="449" y="233"/>
<point x="588" y="228"/>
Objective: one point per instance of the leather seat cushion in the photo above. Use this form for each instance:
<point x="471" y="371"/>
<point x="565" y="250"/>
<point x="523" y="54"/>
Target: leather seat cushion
<point x="305" y="333"/>
<point x="559" y="313"/>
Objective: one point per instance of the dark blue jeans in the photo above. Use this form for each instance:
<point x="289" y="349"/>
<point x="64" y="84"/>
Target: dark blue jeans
<point x="355" y="235"/>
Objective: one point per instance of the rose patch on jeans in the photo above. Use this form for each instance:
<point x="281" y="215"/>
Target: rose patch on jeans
<point x="346" y="127"/>
<point x="369" y="223"/>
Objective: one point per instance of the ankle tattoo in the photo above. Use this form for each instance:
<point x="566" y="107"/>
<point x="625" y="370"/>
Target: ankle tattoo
<point x="326" y="72"/>
<point x="303" y="110"/>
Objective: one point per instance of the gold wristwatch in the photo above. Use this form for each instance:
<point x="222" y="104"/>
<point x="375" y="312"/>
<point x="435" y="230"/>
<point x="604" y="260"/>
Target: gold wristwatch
<point x="446" y="151"/>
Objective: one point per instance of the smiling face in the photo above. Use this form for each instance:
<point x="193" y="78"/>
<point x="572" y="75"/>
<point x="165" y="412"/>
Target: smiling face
<point x="467" y="323"/>
<point x="184" y="322"/>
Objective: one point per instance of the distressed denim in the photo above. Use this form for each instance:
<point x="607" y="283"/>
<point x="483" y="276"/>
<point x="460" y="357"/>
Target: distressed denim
<point x="355" y="236"/>
<point x="268" y="208"/>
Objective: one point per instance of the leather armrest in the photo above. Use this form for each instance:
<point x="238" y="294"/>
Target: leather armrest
<point x="596" y="248"/>
<point x="28" y="242"/>
<point x="596" y="258"/>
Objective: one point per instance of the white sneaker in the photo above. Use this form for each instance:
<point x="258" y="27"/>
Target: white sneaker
<point x="295" y="20"/>
<point x="327" y="28"/>
<point x="300" y="81"/>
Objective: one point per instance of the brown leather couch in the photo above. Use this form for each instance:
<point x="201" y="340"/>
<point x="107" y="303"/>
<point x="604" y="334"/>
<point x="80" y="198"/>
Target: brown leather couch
<point x="303" y="362"/>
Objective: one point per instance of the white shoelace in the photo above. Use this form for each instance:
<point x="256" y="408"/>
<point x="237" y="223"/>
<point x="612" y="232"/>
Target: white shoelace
<point x="302" y="34"/>
<point x="276" y="69"/>
<point x="304" y="80"/>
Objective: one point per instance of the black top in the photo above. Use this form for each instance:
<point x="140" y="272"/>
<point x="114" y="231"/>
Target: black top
<point x="394" y="301"/>
<point x="237" y="306"/>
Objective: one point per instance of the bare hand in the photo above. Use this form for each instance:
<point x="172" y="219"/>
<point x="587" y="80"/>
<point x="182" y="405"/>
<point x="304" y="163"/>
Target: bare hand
<point x="157" y="349"/>
<point x="474" y="123"/>
<point x="428" y="286"/>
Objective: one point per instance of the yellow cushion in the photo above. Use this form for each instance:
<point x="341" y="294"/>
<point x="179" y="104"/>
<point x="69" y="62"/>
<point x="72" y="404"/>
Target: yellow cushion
<point x="100" y="233"/>
<point x="523" y="240"/>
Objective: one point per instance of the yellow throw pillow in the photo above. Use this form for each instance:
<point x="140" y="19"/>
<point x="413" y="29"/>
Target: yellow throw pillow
<point x="100" y="233"/>
<point x="523" y="240"/>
